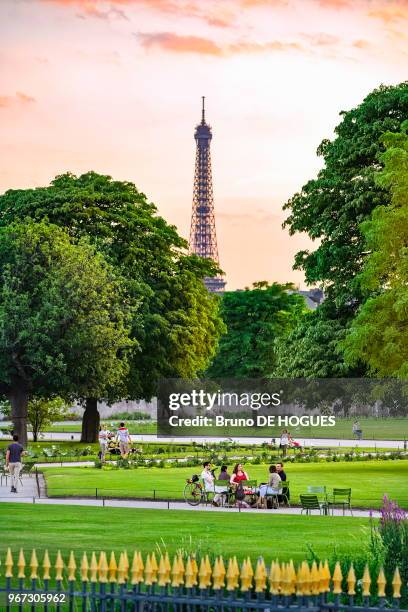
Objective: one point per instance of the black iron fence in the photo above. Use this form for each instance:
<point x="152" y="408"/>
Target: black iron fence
<point x="183" y="584"/>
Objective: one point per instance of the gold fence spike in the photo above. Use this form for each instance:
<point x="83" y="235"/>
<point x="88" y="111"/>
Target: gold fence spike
<point x="337" y="578"/>
<point x="366" y="582"/>
<point x="299" y="580"/>
<point x="21" y="564"/>
<point x="34" y="565"/>
<point x="136" y="569"/>
<point x="175" y="572"/>
<point x="315" y="579"/>
<point x="260" y="576"/>
<point x="164" y="574"/>
<point x="46" y="566"/>
<point x="94" y="568"/>
<point x="293" y="576"/>
<point x="148" y="572"/>
<point x="155" y="567"/>
<point x="103" y="567"/>
<point x="84" y="568"/>
<point x="113" y="567"/>
<point x="396" y="584"/>
<point x="307" y="579"/>
<point x="327" y="576"/>
<point x="218" y="574"/>
<point x="202" y="575"/>
<point x="351" y="581"/>
<point x="191" y="577"/>
<point x="126" y="564"/>
<point x="284" y="579"/>
<point x="59" y="566"/>
<point x="232" y="576"/>
<point x="182" y="569"/>
<point x="275" y="578"/>
<point x="246" y="576"/>
<point x="9" y="564"/>
<point x="381" y="582"/>
<point x="71" y="567"/>
<point x="121" y="569"/>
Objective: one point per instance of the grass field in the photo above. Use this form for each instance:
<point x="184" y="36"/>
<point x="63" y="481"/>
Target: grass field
<point x="373" y="429"/>
<point x="93" y="529"/>
<point x="369" y="480"/>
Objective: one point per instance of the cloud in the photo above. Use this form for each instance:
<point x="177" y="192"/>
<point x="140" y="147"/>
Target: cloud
<point x="390" y="13"/>
<point x="169" y="41"/>
<point x="18" y="98"/>
<point x="321" y="39"/>
<point x="361" y="44"/>
<point x="273" y="45"/>
<point x="211" y="12"/>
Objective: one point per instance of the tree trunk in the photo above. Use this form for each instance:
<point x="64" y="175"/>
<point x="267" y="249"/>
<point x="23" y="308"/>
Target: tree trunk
<point x="18" y="397"/>
<point x="90" y="421"/>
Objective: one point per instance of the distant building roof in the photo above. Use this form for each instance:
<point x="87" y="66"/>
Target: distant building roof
<point x="313" y="297"/>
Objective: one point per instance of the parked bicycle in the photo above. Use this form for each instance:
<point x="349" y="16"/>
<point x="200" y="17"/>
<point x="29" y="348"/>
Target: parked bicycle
<point x="194" y="492"/>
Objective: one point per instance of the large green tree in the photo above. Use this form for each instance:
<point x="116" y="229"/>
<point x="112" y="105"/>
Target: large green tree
<point x="379" y="334"/>
<point x="311" y="349"/>
<point x="331" y="207"/>
<point x="177" y="325"/>
<point x="63" y="318"/>
<point x="255" y="318"/>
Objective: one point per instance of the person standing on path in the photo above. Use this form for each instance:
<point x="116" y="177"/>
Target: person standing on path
<point x="284" y="442"/>
<point x="13" y="462"/>
<point x="103" y="441"/>
<point x="124" y="439"/>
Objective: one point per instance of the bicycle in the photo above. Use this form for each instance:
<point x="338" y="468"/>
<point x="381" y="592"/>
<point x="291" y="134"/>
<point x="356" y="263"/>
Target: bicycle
<point x="194" y="492"/>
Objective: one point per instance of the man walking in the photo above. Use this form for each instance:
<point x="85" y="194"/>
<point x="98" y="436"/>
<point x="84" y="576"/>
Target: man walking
<point x="13" y="462"/>
<point x="124" y="440"/>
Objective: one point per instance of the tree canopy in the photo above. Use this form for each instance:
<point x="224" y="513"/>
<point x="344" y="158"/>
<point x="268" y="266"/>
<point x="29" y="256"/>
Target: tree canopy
<point x="177" y="324"/>
<point x="255" y="318"/>
<point x="378" y="336"/>
<point x="64" y="318"/>
<point x="331" y="207"/>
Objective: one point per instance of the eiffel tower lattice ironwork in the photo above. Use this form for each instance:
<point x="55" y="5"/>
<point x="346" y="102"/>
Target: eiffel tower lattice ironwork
<point x="203" y="237"/>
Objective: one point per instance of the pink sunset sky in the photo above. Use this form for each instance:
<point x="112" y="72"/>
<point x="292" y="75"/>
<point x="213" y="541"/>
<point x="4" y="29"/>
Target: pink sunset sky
<point x="115" y="86"/>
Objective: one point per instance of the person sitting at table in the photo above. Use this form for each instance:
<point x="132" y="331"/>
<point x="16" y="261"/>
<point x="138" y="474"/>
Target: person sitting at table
<point x="271" y="488"/>
<point x="285" y="495"/>
<point x="207" y="477"/>
<point x="238" y="474"/>
<point x="224" y="473"/>
<point x="238" y="478"/>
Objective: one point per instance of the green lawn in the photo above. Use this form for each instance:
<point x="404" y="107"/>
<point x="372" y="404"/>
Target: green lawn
<point x="369" y="480"/>
<point x="373" y="429"/>
<point x="242" y="534"/>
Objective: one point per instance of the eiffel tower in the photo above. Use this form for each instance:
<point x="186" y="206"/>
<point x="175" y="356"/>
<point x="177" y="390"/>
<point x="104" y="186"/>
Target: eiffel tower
<point x="203" y="237"/>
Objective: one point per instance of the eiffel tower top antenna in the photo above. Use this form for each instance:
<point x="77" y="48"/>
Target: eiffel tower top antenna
<point x="203" y="110"/>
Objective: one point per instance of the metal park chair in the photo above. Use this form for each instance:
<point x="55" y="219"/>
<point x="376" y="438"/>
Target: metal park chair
<point x="311" y="502"/>
<point x="341" y="498"/>
<point x="222" y="487"/>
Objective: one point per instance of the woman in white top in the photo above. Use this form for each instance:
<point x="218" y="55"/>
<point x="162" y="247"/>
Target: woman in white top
<point x="273" y="486"/>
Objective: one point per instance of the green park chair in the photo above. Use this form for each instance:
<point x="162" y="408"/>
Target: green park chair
<point x="284" y="493"/>
<point x="321" y="492"/>
<point x="340" y="498"/>
<point x="223" y="488"/>
<point x="311" y="502"/>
